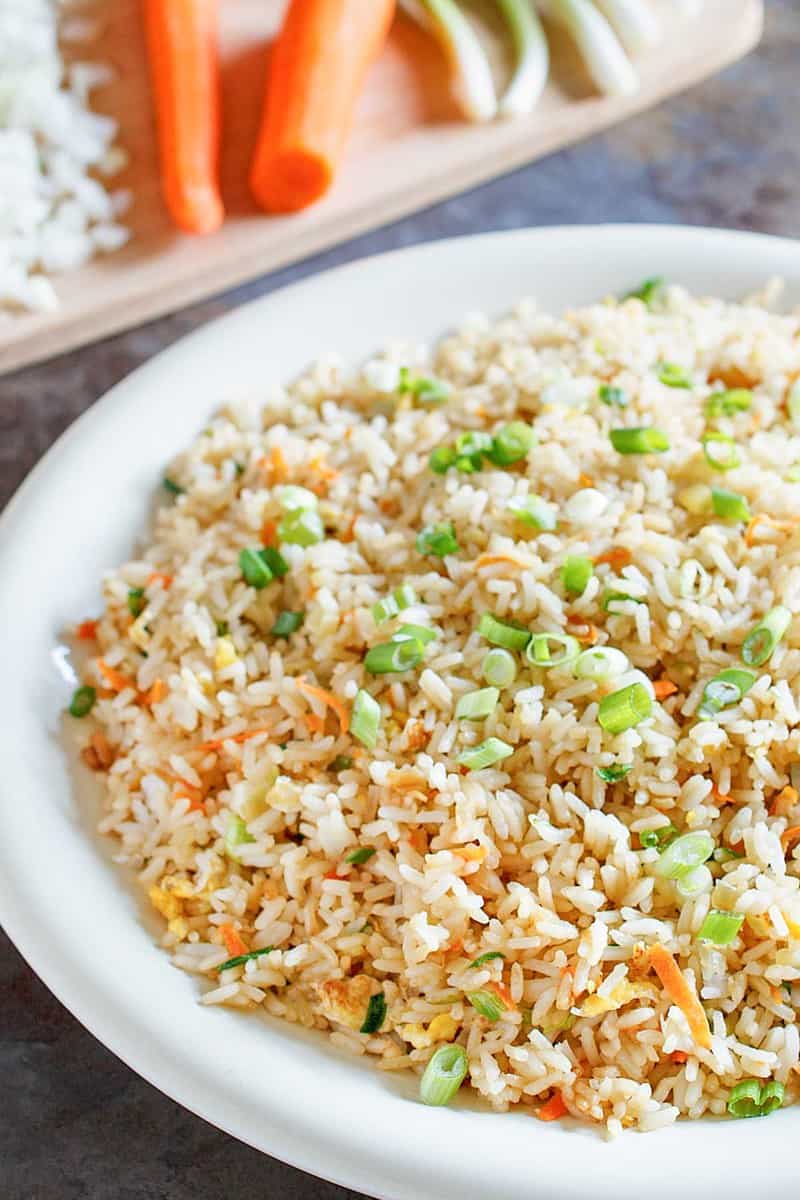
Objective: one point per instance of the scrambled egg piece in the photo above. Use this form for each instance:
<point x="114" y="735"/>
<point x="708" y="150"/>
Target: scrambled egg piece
<point x="168" y="900"/>
<point x="623" y="993"/>
<point x="224" y="654"/>
<point x="346" y="1000"/>
<point x="441" y="1029"/>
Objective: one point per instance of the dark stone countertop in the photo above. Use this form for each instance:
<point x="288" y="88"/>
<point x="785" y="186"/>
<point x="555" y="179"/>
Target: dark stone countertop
<point x="76" y="1122"/>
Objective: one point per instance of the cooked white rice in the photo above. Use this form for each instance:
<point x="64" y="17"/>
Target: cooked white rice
<point x="536" y="857"/>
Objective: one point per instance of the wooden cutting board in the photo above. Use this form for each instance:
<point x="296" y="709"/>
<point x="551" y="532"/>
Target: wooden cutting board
<point x="408" y="149"/>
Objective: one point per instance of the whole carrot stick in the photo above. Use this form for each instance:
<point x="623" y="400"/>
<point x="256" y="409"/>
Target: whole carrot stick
<point x="184" y="73"/>
<point x="319" y="62"/>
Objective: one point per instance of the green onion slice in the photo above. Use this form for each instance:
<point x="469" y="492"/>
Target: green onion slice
<point x="724" y="854"/>
<point x="488" y="1004"/>
<point x="615" y="772"/>
<point x="499" y="668"/>
<point x="438" y="539"/>
<point x="83" y="701"/>
<point x="482" y="959"/>
<point x="540" y="653"/>
<point x="533" y="511"/>
<point x="694" y="881"/>
<point x="576" y="572"/>
<point x="302" y="527"/>
<point x="508" y="634"/>
<point x="728" y="404"/>
<point x="729" y="505"/>
<point x="725" y="689"/>
<point x="274" y="560"/>
<point x="753" y="1098"/>
<point x="240" y="959"/>
<point x="361" y="855"/>
<point x="169" y="485"/>
<point x="420" y="633"/>
<point x="686" y="852"/>
<point x="614" y="397"/>
<point x="296" y="499"/>
<point x="643" y="440"/>
<point x="624" y="709"/>
<point x="254" y="570"/>
<point x="511" y="443"/>
<point x="442" y="459"/>
<point x="674" y="376"/>
<point x="476" y="706"/>
<point x="402" y="655"/>
<point x="376" y="1014"/>
<point x="236" y="834"/>
<point x="136" y="601"/>
<point x="658" y="839"/>
<point x="648" y="291"/>
<point x="426" y="389"/>
<point x="342" y="762"/>
<point x="444" y="1074"/>
<point x="486" y="754"/>
<point x="720" y="451"/>
<point x="720" y="927"/>
<point x="764" y="637"/>
<point x="610" y="598"/>
<point x="287" y="623"/>
<point x="365" y="719"/>
<point x="600" y="662"/>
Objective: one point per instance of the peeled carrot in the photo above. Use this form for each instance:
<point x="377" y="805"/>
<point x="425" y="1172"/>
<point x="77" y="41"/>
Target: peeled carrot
<point x="184" y="73"/>
<point x="674" y="984"/>
<point x="318" y="67"/>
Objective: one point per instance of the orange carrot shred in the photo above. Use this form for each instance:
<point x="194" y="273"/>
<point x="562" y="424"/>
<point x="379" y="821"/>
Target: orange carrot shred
<point x="586" y="481"/>
<point x="679" y="1056"/>
<point x="217" y="743"/>
<point x="785" y="800"/>
<point x="233" y="943"/>
<point x="161" y="578"/>
<point x="680" y="993"/>
<point x="502" y="993"/>
<point x="470" y="853"/>
<point x="156" y="693"/>
<point x="87" y="631"/>
<point x="333" y="701"/>
<point x="115" y="679"/>
<point x="491" y="560"/>
<point x="663" y="688"/>
<point x="187" y="791"/>
<point x="554" y="1109"/>
<point x="269" y="533"/>
<point x="790" y="836"/>
<point x="765" y="519"/>
<point x="617" y="557"/>
<point x="315" y="724"/>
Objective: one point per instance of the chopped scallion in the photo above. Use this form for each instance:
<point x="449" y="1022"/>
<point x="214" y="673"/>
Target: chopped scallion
<point x="615" y="772"/>
<point x="761" y="641"/>
<point x="576" y="573"/>
<point x="755" y="1098"/>
<point x="438" y="539"/>
<point x="720" y="927"/>
<point x="625" y="709"/>
<point x="511" y="443"/>
<point x="610" y="598"/>
<point x="302" y="527"/>
<point x="361" y="855"/>
<point x="725" y="689"/>
<point x="729" y="505"/>
<point x="499" y="668"/>
<point x="533" y="511"/>
<point x="476" y="706"/>
<point x="614" y="397"/>
<point x="442" y="459"/>
<point x="720" y="451"/>
<point x="235" y="834"/>
<point x="600" y="662"/>
<point x="658" y="839"/>
<point x="540" y="652"/>
<point x="136" y="601"/>
<point x="296" y="499"/>
<point x="508" y="634"/>
<point x="83" y="701"/>
<point x="287" y="623"/>
<point x="444" y="1074"/>
<point x="255" y="571"/>
<point x="391" y="656"/>
<point x="487" y="1003"/>
<point x="391" y="605"/>
<point x="674" y="376"/>
<point x="684" y="854"/>
<point x="486" y="754"/>
<point x="376" y="1014"/>
<point x="274" y="560"/>
<point x="342" y="762"/>
<point x="648" y="291"/>
<point x="365" y="719"/>
<point x="169" y="485"/>
<point x="420" y="633"/>
<point x="643" y="440"/>
<point x="728" y="404"/>
<point x="426" y="389"/>
<point x="483" y="959"/>
<point x="240" y="959"/>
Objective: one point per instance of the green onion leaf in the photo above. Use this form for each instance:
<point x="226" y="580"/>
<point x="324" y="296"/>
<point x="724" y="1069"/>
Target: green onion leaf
<point x="419" y="633"/>
<point x="671" y="375"/>
<point x="83" y="701"/>
<point x="601" y="663"/>
<point x="342" y="762"/>
<point x="658" y="839"/>
<point x="508" y="634"/>
<point x="648" y="291"/>
<point x="720" y="451"/>
<point x="402" y="597"/>
<point x="643" y="440"/>
<point x="438" y="539"/>
<point x="442" y="459"/>
<point x="684" y="854"/>
<point x="401" y="655"/>
<point x="539" y="652"/>
<point x="728" y="404"/>
<point x="488" y="1004"/>
<point x="302" y="527"/>
<point x="762" y="639"/>
<point x="720" y="927"/>
<point x="499" y="668"/>
<point x="610" y="598"/>
<point x="424" y="388"/>
<point x="376" y="1014"/>
<point x="482" y="959"/>
<point x="475" y="706"/>
<point x="365" y="719"/>
<point x="624" y="709"/>
<point x="576" y="572"/>
<point x="472" y="446"/>
<point x="752" y="1098"/>
<point x="255" y="571"/>
<point x="287" y="623"/>
<point x="361" y="855"/>
<point x="614" y="773"/>
<point x="274" y="560"/>
<point x="235" y="834"/>
<point x="614" y="397"/>
<point x="725" y="689"/>
<point x="443" y="1075"/>
<point x="136" y="601"/>
<point x="511" y="443"/>
<point x="533" y="511"/>
<point x="729" y="505"/>
<point x="486" y="754"/>
<point x="169" y="485"/>
<point x="241" y="959"/>
<point x="724" y="854"/>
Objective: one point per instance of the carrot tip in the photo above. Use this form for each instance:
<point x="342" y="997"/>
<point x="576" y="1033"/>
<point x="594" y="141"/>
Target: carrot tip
<point x="290" y="181"/>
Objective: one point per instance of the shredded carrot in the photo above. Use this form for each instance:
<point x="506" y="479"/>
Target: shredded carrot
<point x="275" y="466"/>
<point x="663" y="688"/>
<point x="583" y="630"/>
<point x="502" y="993"/>
<point x="318" y="693"/>
<point x="470" y="853"/>
<point x="87" y="631"/>
<point x="453" y="950"/>
<point x="325" y="471"/>
<point x="159" y="577"/>
<point x="156" y="693"/>
<point x="233" y="943"/>
<point x="585" y="480"/>
<point x="732" y="377"/>
<point x="679" y="1056"/>
<point x="315" y="724"/>
<point x="350" y="531"/>
<point x="218" y="743"/>
<point x="554" y="1109"/>
<point x="187" y="791"/>
<point x="317" y="70"/>
<point x="617" y="557"/>
<point x="269" y="533"/>
<point x="491" y="560"/>
<point x="674" y="983"/>
<point x="184" y="72"/>
<point x="777" y="995"/>
<point x="419" y="840"/>
<point x="115" y="679"/>
<point x="784" y="801"/>
<point x="332" y="874"/>
<point x="764" y="519"/>
<point x="790" y="836"/>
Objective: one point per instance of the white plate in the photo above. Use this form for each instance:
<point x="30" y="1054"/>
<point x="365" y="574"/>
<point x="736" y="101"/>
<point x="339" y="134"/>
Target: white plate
<point x="71" y="913"/>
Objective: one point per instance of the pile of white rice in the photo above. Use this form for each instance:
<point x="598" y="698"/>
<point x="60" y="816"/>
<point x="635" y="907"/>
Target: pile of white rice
<point x="536" y="858"/>
<point x="55" y="153"/>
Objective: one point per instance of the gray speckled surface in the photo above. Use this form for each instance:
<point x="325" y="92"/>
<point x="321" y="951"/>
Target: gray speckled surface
<point x="77" y="1123"/>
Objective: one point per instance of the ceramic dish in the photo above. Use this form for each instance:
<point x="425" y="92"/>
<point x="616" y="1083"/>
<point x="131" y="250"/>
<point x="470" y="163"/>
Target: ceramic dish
<point x="64" y="903"/>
